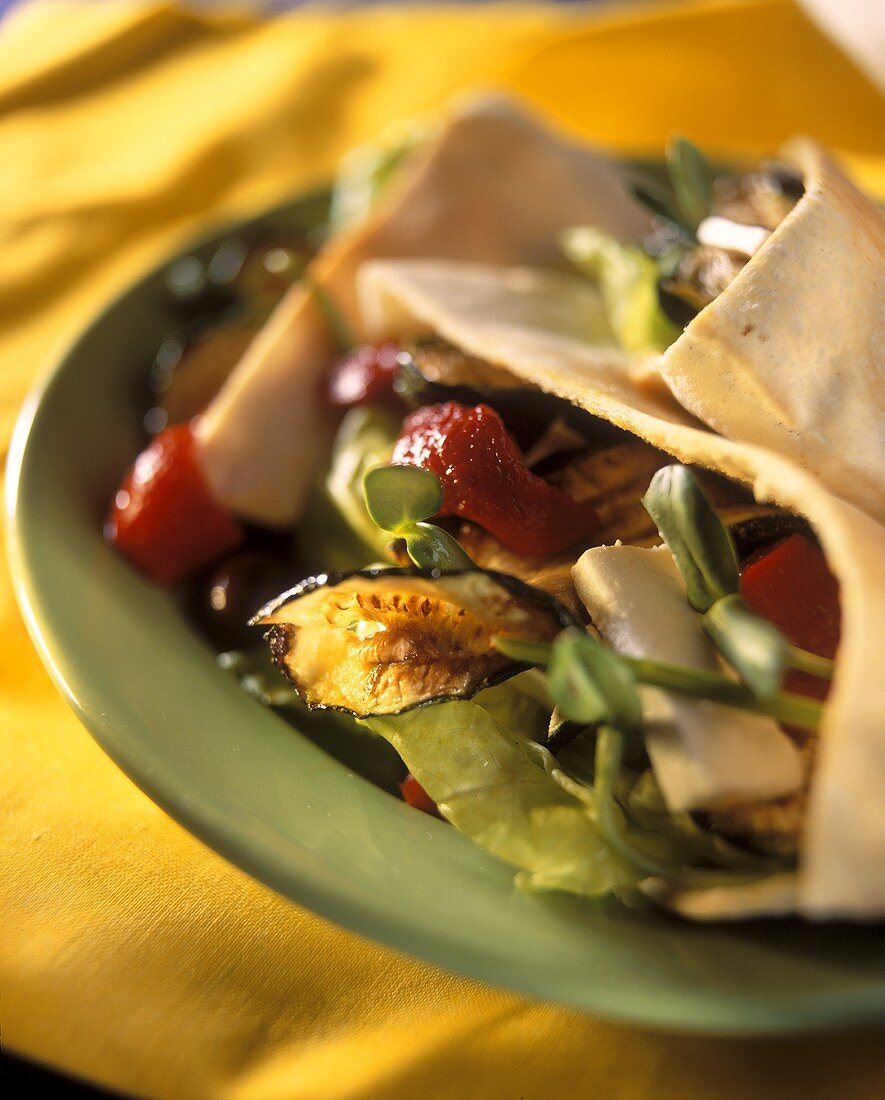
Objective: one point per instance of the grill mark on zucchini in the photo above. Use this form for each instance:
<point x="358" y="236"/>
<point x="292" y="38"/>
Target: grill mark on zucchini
<point x="383" y="641"/>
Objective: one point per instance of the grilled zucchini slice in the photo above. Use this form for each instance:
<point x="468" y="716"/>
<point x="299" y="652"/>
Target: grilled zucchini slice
<point x="382" y="641"/>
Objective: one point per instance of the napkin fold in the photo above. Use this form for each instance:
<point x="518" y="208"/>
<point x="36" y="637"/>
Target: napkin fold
<point x="131" y="954"/>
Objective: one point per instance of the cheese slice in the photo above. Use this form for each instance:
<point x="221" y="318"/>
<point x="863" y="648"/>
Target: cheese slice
<point x="703" y="754"/>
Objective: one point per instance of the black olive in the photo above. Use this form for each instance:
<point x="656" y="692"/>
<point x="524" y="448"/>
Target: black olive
<point x="193" y="293"/>
<point x="763" y="531"/>
<point x="222" y="599"/>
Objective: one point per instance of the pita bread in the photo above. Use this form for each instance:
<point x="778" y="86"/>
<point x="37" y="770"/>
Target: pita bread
<point x="510" y="318"/>
<point x="495" y="185"/>
<point x="790" y="355"/>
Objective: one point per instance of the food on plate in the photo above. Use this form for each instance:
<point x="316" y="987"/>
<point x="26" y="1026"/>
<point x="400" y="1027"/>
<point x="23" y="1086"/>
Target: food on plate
<point x="423" y="636"/>
<point x="607" y="460"/>
<point x="493" y="184"/>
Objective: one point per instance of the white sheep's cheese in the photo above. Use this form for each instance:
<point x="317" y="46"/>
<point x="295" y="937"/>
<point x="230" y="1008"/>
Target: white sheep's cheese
<point x="703" y="754"/>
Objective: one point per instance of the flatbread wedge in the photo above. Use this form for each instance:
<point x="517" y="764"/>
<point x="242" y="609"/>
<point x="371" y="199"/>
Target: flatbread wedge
<point x="514" y="319"/>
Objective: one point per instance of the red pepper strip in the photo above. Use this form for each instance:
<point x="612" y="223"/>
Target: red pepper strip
<point x="416" y="796"/>
<point x="791" y="586"/>
<point x="163" y="517"/>
<point x="485" y="480"/>
<point x="365" y="376"/>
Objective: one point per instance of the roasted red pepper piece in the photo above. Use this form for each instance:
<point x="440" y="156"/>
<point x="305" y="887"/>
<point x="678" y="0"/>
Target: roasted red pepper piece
<point x="485" y="480"/>
<point x="164" y="518"/>
<point x="791" y="586"/>
<point x="365" y="376"/>
<point x="416" y="796"/>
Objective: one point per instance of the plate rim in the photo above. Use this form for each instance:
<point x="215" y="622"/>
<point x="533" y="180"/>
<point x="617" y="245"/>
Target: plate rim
<point x="828" y="1012"/>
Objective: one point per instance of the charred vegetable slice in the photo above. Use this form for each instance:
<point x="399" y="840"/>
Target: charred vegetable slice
<point x="434" y="372"/>
<point x="385" y="640"/>
<point x="613" y="482"/>
<point x="764" y="527"/>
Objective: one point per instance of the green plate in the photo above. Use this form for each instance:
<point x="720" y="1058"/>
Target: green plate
<point x="306" y="811"/>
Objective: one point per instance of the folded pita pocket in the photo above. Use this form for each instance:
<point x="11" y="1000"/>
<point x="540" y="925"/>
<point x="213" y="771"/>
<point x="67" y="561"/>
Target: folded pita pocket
<point x="514" y="318"/>
<point x="494" y="185"/>
<point x="791" y="355"/>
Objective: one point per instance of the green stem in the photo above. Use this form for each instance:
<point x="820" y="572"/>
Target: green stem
<point x="522" y="649"/>
<point x="814" y="665"/>
<point x="794" y="710"/>
<point x="608" y="758"/>
<point x="332" y="315"/>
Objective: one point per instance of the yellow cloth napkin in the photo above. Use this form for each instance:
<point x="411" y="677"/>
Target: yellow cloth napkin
<point x="132" y="955"/>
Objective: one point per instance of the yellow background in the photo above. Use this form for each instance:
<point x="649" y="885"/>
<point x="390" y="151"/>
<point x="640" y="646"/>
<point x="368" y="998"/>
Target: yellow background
<point x="130" y="953"/>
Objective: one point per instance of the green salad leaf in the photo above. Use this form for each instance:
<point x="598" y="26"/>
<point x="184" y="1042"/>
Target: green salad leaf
<point x="628" y="280"/>
<point x="367" y="170"/>
<point x="326" y="541"/>
<point x="364" y="440"/>
<point x="521" y="703"/>
<point x="496" y="786"/>
<point x="691" y="178"/>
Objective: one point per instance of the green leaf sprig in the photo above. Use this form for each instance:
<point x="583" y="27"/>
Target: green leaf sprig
<point x="400" y="499"/>
<point x="331" y="313"/>
<point x="753" y="646"/>
<point x="597" y="687"/>
<point x="705" y="555"/>
<point x="590" y="683"/>
<point x="691" y="178"/>
<point x="696" y="537"/>
<point x="685" y="197"/>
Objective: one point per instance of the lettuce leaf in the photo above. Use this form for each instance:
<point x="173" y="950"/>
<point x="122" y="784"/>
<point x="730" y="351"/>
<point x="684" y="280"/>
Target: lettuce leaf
<point x="520" y="703"/>
<point x="628" y="279"/>
<point x="367" y="170"/>
<point x="365" y="439"/>
<point x="496" y="787"/>
<point x="671" y="847"/>
<point x="326" y="543"/>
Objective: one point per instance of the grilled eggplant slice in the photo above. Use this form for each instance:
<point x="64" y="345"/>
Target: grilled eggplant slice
<point x="434" y="372"/>
<point x="761" y="527"/>
<point x="382" y="641"/>
<point x="614" y="481"/>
